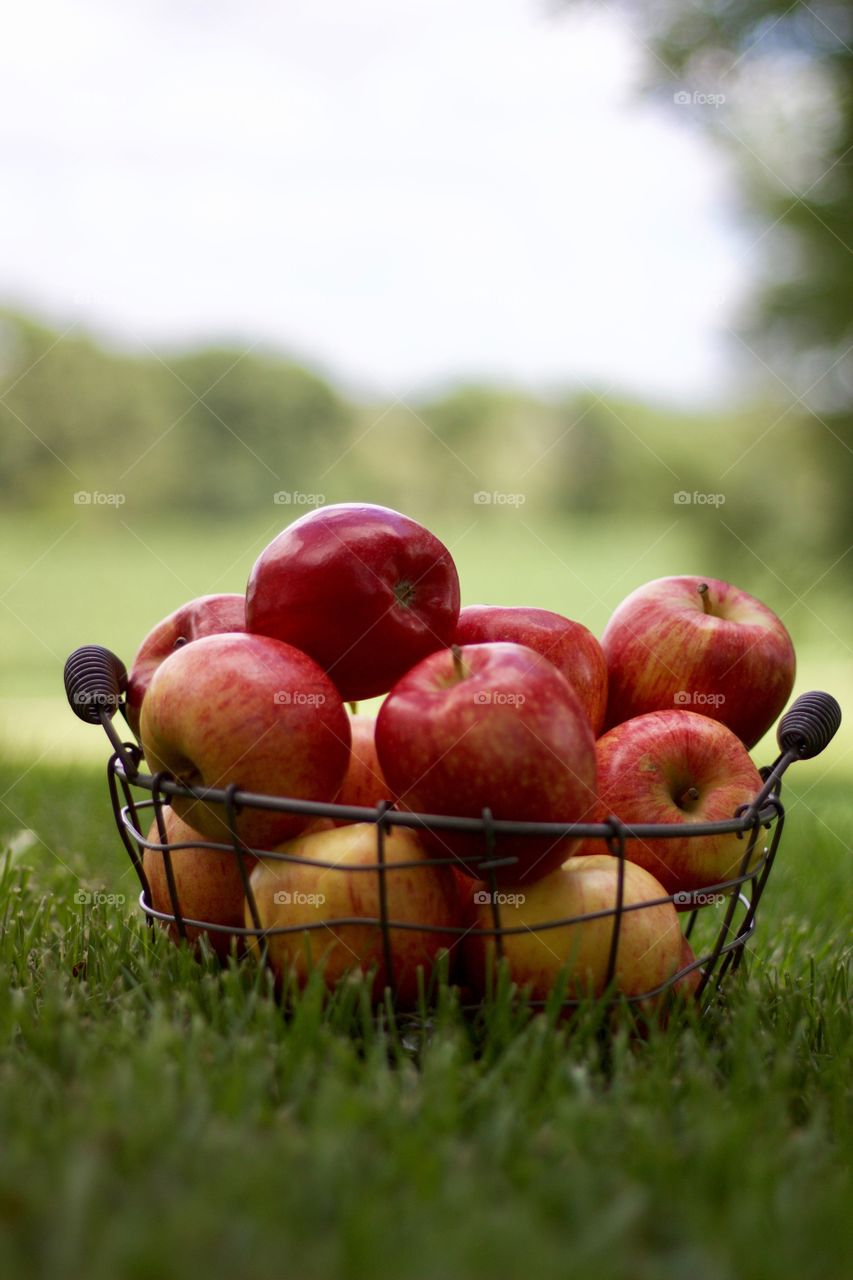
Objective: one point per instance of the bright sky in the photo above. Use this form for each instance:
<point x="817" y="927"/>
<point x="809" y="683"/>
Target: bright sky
<point x="407" y="191"/>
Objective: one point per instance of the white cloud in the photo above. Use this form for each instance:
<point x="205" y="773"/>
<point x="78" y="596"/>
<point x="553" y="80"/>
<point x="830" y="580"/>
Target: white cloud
<point x="407" y="191"/>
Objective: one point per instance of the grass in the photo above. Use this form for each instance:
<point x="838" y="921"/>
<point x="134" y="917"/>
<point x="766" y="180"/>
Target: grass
<point x="159" y="1117"/>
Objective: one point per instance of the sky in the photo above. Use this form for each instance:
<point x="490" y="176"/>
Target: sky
<point x="405" y="192"/>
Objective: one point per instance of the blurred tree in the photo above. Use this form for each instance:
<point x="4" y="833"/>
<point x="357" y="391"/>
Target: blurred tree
<point x="261" y="424"/>
<point x="217" y="431"/>
<point x="72" y="415"/>
<point x="584" y="462"/>
<point x="785" y="71"/>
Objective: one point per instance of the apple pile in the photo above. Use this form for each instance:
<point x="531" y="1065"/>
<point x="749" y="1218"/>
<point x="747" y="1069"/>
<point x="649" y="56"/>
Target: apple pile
<point x="488" y="712"/>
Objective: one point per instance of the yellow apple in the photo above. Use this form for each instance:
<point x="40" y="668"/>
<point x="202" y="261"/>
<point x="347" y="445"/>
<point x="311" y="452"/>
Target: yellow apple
<point x="650" y="939"/>
<point x="290" y="893"/>
<point x="208" y="882"/>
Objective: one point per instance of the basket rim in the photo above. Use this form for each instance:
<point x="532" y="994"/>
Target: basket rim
<point x="762" y="810"/>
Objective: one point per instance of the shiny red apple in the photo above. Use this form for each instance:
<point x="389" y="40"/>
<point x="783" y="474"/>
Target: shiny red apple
<point x="676" y="767"/>
<point x="251" y="711"/>
<point x="702" y="644"/>
<point x="490" y="726"/>
<point x="365" y="591"/>
<point x="206" y="616"/>
<point x="571" y="647"/>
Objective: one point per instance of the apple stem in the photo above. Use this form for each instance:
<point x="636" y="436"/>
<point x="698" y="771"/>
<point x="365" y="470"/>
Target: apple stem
<point x="703" y="591"/>
<point x="353" y="706"/>
<point x="460" y="671"/>
<point x="688" y="796"/>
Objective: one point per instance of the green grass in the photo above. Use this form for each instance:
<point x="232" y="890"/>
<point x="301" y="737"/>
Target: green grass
<point x="159" y="1117"/>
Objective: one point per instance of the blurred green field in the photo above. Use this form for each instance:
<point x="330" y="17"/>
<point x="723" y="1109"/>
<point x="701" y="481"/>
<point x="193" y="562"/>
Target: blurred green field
<point x="101" y="576"/>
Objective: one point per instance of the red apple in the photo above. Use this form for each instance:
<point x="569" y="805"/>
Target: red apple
<point x="699" y="643"/>
<point x="206" y="616"/>
<point x="364" y="785"/>
<point x="490" y="726"/>
<point x="208" y="883"/>
<point x="248" y="710"/>
<point x="677" y="767"/>
<point x="365" y="591"/>
<point x="649" y="937"/>
<point x="420" y="894"/>
<point x="569" y="645"/>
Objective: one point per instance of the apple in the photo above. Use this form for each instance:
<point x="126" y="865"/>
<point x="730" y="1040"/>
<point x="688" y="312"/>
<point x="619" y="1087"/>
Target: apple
<point x="677" y="767"/>
<point x="208" y="882"/>
<point x="364" y="784"/>
<point x="206" y="616"/>
<point x="682" y="992"/>
<point x="298" y="893"/>
<point x="490" y="726"/>
<point x="365" y="591"/>
<point x="688" y="985"/>
<point x="649" y="937"/>
<point x="572" y="648"/>
<point x="251" y="711"/>
<point x="699" y="643"/>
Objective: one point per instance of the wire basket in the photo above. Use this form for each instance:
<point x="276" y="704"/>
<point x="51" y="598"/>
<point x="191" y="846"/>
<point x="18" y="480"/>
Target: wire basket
<point x="96" y="682"/>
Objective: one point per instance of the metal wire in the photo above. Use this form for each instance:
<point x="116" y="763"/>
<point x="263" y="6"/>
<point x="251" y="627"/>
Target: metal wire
<point x="743" y="890"/>
<point x="96" y="679"/>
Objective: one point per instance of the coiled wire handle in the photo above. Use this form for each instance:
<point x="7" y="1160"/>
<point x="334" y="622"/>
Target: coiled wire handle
<point x="95" y="681"/>
<point x="810" y="725"/>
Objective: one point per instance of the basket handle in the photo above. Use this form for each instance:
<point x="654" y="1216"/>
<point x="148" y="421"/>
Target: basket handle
<point x="95" y="680"/>
<point x="809" y="725"/>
